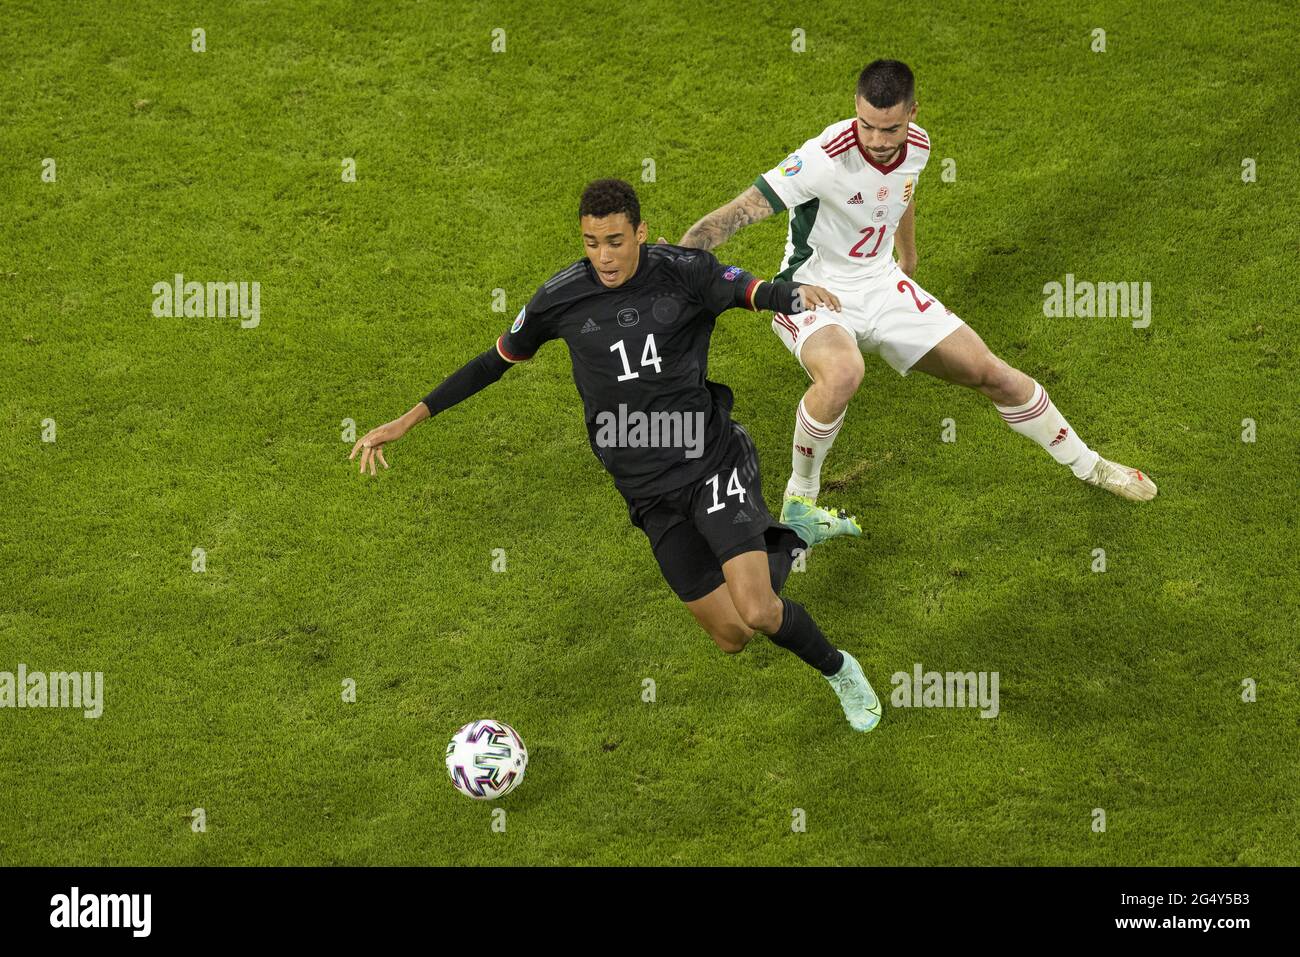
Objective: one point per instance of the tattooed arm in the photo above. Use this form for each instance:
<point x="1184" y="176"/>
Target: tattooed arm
<point x="721" y="224"/>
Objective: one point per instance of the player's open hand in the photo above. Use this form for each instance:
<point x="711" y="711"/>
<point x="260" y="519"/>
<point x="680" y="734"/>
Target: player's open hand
<point x="371" y="445"/>
<point x="813" y="296"/>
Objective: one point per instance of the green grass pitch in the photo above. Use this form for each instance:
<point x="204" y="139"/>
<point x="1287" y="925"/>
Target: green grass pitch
<point x="1120" y="691"/>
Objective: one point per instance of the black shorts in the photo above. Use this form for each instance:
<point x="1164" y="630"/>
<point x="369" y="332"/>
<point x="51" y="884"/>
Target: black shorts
<point x="693" y="530"/>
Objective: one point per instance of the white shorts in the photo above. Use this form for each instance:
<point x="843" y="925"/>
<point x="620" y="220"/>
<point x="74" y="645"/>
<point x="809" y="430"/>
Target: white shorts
<point x="889" y="315"/>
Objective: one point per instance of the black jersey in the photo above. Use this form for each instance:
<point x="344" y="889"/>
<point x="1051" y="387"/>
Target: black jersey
<point x="640" y="355"/>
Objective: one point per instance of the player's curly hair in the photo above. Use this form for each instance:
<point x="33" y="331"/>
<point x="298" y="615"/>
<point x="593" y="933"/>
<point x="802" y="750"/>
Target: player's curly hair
<point x="884" y="83"/>
<point x="605" y="197"/>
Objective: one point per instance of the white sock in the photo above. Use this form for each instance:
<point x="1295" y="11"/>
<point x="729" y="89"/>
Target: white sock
<point x="1039" y="420"/>
<point x="812" y="440"/>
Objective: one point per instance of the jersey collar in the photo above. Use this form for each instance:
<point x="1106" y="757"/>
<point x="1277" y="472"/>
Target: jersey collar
<point x="898" y="160"/>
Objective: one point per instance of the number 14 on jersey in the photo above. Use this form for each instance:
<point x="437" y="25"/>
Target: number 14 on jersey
<point x="733" y="488"/>
<point x="649" y="357"/>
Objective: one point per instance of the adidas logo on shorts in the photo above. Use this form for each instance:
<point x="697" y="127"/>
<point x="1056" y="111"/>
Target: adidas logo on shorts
<point x="741" y="517"/>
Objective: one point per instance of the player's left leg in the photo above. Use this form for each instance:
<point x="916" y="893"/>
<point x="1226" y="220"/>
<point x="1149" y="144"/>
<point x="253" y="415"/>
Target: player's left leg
<point x="963" y="358"/>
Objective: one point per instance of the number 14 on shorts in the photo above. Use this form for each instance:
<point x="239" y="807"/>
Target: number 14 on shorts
<point x="733" y="488"/>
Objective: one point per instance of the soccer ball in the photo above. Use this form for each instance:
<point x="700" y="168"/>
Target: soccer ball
<point x="486" y="759"/>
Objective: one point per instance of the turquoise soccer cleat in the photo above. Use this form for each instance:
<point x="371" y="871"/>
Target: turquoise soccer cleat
<point x="858" y="698"/>
<point x="815" y="524"/>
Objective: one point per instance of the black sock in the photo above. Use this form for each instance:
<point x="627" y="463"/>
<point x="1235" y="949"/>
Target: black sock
<point x="799" y="633"/>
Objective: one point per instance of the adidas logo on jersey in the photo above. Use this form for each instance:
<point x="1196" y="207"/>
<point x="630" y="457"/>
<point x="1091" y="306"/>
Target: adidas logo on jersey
<point x="856" y="200"/>
<point x="590" y="326"/>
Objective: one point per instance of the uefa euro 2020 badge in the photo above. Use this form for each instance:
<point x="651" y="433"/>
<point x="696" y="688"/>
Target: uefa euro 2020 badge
<point x="792" y="165"/>
<point x="519" y="321"/>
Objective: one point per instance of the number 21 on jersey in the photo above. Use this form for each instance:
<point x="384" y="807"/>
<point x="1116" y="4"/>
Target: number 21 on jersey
<point x="867" y="232"/>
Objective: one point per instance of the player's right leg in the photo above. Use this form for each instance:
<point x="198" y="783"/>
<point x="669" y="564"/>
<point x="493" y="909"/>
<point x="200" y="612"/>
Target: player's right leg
<point x="789" y="625"/>
<point x="751" y="554"/>
<point x="689" y="566"/>
<point x="691" y="570"/>
<point x="717" y="615"/>
<point x="689" y="561"/>
<point x="829" y="353"/>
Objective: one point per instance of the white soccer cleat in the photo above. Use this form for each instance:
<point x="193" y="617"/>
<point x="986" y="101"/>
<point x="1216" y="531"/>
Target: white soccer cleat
<point x="861" y="706"/>
<point x="1123" y="481"/>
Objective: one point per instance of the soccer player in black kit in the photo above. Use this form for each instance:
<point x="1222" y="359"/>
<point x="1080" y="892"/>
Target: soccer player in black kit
<point x="637" y="320"/>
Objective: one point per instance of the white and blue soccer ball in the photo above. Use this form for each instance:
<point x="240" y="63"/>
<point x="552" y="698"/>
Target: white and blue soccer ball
<point x="486" y="759"/>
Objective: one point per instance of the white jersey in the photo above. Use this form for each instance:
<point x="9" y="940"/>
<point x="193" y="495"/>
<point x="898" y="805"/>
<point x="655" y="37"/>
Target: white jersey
<point x="844" y="207"/>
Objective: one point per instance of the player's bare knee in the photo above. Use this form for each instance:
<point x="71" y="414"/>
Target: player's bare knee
<point x="760" y="610"/>
<point x="979" y="372"/>
<point x="733" y="638"/>
<point x="1000" y="382"/>
<point x="838" y="373"/>
<point x="845" y="377"/>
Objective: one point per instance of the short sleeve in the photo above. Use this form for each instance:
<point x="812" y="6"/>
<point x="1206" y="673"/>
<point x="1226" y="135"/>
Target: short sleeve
<point x="796" y="179"/>
<point x="716" y="286"/>
<point x="530" y="330"/>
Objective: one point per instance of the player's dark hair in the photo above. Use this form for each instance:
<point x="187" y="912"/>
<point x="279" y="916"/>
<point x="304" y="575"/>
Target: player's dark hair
<point x="605" y="197"/>
<point x="885" y="83"/>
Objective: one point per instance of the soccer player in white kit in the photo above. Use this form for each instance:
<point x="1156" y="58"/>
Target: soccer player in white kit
<point x="850" y="192"/>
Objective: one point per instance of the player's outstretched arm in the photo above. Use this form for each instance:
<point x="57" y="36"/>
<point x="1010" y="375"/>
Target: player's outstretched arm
<point x="477" y="374"/>
<point x="791" y="298"/>
<point x="721" y="287"/>
<point x="723" y="223"/>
